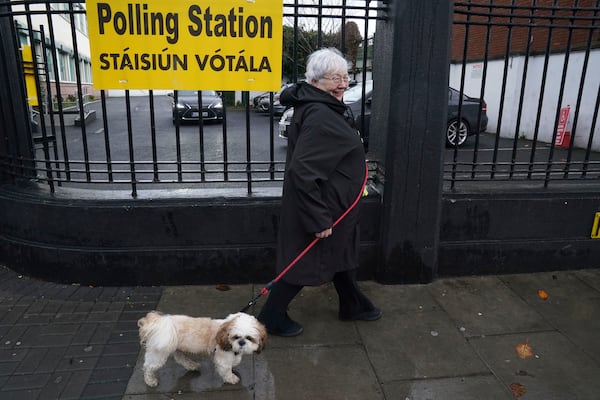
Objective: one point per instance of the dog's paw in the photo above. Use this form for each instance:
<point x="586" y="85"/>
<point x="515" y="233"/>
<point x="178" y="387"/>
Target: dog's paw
<point x="151" y="380"/>
<point x="231" y="378"/>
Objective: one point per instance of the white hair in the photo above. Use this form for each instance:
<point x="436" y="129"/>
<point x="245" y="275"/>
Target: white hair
<point x="324" y="61"/>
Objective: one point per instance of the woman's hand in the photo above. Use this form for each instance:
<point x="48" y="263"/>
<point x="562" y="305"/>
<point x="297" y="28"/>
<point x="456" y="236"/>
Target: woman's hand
<point x="327" y="232"/>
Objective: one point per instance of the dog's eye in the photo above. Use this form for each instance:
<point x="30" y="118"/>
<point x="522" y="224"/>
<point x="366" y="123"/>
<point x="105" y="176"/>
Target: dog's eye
<point x="236" y="337"/>
<point x="250" y="339"/>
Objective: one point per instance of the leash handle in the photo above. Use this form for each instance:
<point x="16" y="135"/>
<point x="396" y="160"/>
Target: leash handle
<point x="265" y="290"/>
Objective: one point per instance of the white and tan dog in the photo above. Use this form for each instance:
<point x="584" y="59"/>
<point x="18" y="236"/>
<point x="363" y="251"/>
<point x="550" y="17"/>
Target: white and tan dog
<point x="225" y="340"/>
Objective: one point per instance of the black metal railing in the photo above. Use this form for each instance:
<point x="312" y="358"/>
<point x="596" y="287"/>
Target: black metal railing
<point x="112" y="142"/>
<point x="523" y="61"/>
<point x="531" y="61"/>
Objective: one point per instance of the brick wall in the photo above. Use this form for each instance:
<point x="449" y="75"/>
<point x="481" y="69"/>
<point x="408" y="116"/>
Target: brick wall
<point x="545" y="24"/>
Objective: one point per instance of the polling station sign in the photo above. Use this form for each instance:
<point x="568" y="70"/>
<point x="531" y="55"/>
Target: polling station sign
<point x="157" y="44"/>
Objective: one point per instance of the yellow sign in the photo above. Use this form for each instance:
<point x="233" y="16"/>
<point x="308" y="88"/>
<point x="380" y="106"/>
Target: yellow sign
<point x="596" y="227"/>
<point x="29" y="67"/>
<point x="183" y="44"/>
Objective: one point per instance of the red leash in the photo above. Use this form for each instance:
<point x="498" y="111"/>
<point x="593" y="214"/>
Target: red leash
<point x="265" y="290"/>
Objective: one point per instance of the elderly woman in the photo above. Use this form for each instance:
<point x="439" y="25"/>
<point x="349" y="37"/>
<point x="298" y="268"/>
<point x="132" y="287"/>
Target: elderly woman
<point x="325" y="169"/>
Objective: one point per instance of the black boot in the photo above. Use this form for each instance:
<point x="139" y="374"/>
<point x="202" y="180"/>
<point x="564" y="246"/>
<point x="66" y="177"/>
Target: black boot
<point x="274" y="313"/>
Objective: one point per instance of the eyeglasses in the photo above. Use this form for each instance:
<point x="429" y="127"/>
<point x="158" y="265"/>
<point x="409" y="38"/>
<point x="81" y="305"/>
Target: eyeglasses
<point x="338" y="79"/>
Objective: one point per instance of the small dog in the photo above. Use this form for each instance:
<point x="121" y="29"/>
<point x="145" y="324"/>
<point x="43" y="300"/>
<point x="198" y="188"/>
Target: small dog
<point x="225" y="340"/>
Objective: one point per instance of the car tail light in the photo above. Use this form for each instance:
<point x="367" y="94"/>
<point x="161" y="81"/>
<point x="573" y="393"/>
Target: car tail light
<point x="483" y="106"/>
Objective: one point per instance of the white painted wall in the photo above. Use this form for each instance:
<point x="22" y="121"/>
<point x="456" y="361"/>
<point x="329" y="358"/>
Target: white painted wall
<point x="533" y="89"/>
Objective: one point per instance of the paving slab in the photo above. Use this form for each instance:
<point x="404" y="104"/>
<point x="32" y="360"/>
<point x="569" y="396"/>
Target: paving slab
<point x="461" y="388"/>
<point x="572" y="306"/>
<point x="557" y="369"/>
<point x="485" y="306"/>
<point x="318" y="372"/>
<point x="452" y="339"/>
<point x="419" y="345"/>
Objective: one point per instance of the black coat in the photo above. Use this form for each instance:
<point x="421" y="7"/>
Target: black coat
<point x="325" y="169"/>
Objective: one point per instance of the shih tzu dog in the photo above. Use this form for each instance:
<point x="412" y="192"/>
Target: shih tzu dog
<point x="225" y="340"/>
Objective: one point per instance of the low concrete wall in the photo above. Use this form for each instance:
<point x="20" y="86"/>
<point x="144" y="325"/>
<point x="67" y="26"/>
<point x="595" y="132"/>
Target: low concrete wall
<point x="210" y="239"/>
<point x="518" y="233"/>
<point x="149" y="241"/>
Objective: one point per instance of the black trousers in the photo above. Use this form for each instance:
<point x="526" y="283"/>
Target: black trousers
<point x="352" y="301"/>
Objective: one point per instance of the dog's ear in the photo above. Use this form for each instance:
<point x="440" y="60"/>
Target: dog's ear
<point x="262" y="337"/>
<point x="222" y="337"/>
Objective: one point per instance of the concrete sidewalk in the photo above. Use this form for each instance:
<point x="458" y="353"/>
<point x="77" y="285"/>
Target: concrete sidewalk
<point x="452" y="339"/>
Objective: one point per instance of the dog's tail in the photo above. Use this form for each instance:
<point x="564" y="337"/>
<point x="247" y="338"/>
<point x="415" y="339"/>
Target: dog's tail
<point x="158" y="331"/>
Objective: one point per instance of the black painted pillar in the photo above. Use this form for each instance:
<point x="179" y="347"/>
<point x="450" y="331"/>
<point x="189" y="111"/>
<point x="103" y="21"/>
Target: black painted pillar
<point x="15" y="137"/>
<point x="408" y="121"/>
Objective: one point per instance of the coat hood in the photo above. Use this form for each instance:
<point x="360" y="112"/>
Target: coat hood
<point x="303" y="92"/>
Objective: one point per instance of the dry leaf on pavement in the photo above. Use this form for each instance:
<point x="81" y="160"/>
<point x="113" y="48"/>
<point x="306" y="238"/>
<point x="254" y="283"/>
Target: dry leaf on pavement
<point x="517" y="390"/>
<point x="542" y="294"/>
<point x="524" y="350"/>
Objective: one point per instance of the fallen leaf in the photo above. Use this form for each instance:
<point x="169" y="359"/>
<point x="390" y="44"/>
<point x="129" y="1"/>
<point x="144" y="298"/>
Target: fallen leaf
<point x="542" y="294"/>
<point x="223" y="288"/>
<point x="517" y="389"/>
<point x="524" y="350"/>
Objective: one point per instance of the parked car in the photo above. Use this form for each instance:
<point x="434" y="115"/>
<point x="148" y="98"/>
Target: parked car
<point x="186" y="108"/>
<point x="471" y="110"/>
<point x="262" y="102"/>
<point x="456" y="133"/>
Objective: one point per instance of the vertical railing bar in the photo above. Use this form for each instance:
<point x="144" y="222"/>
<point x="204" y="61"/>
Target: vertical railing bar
<point x="363" y="126"/>
<point x="460" y="94"/>
<point x="45" y="104"/>
<point x="106" y="136"/>
<point x="558" y="105"/>
<point x="17" y="146"/>
<point x="248" y="139"/>
<point x="295" y="44"/>
<point x="225" y="151"/>
<point x="320" y="25"/>
<point x="156" y="176"/>
<point x="201" y="125"/>
<point x="521" y="97"/>
<point x="503" y="91"/>
<point x="343" y="28"/>
<point x="579" y="97"/>
<point x="271" y="141"/>
<point x="541" y="96"/>
<point x="178" y="122"/>
<point x="130" y="144"/>
<point x="591" y="138"/>
<point x="475" y="159"/>
<point x="201" y="142"/>
<point x="61" y="118"/>
<point x="38" y="92"/>
<point x="86" y="156"/>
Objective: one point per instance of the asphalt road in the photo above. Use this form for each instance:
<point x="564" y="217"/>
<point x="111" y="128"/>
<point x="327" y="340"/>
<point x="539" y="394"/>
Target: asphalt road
<point x="147" y="136"/>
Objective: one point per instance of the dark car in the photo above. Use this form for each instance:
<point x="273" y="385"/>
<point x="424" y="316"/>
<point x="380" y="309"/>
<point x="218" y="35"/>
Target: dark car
<point x="186" y="108"/>
<point x="471" y="110"/>
<point x="262" y="102"/>
<point x="469" y="113"/>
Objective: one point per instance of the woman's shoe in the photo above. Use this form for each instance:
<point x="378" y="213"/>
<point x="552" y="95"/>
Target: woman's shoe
<point x="292" y="329"/>
<point x="371" y="315"/>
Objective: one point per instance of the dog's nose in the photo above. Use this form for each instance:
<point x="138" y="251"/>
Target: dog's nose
<point x="242" y="342"/>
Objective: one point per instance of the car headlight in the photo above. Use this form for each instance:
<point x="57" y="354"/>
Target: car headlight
<point x="181" y="106"/>
<point x="218" y="104"/>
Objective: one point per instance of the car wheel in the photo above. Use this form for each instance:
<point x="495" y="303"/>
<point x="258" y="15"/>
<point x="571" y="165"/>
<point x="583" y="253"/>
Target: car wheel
<point x="456" y="133"/>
